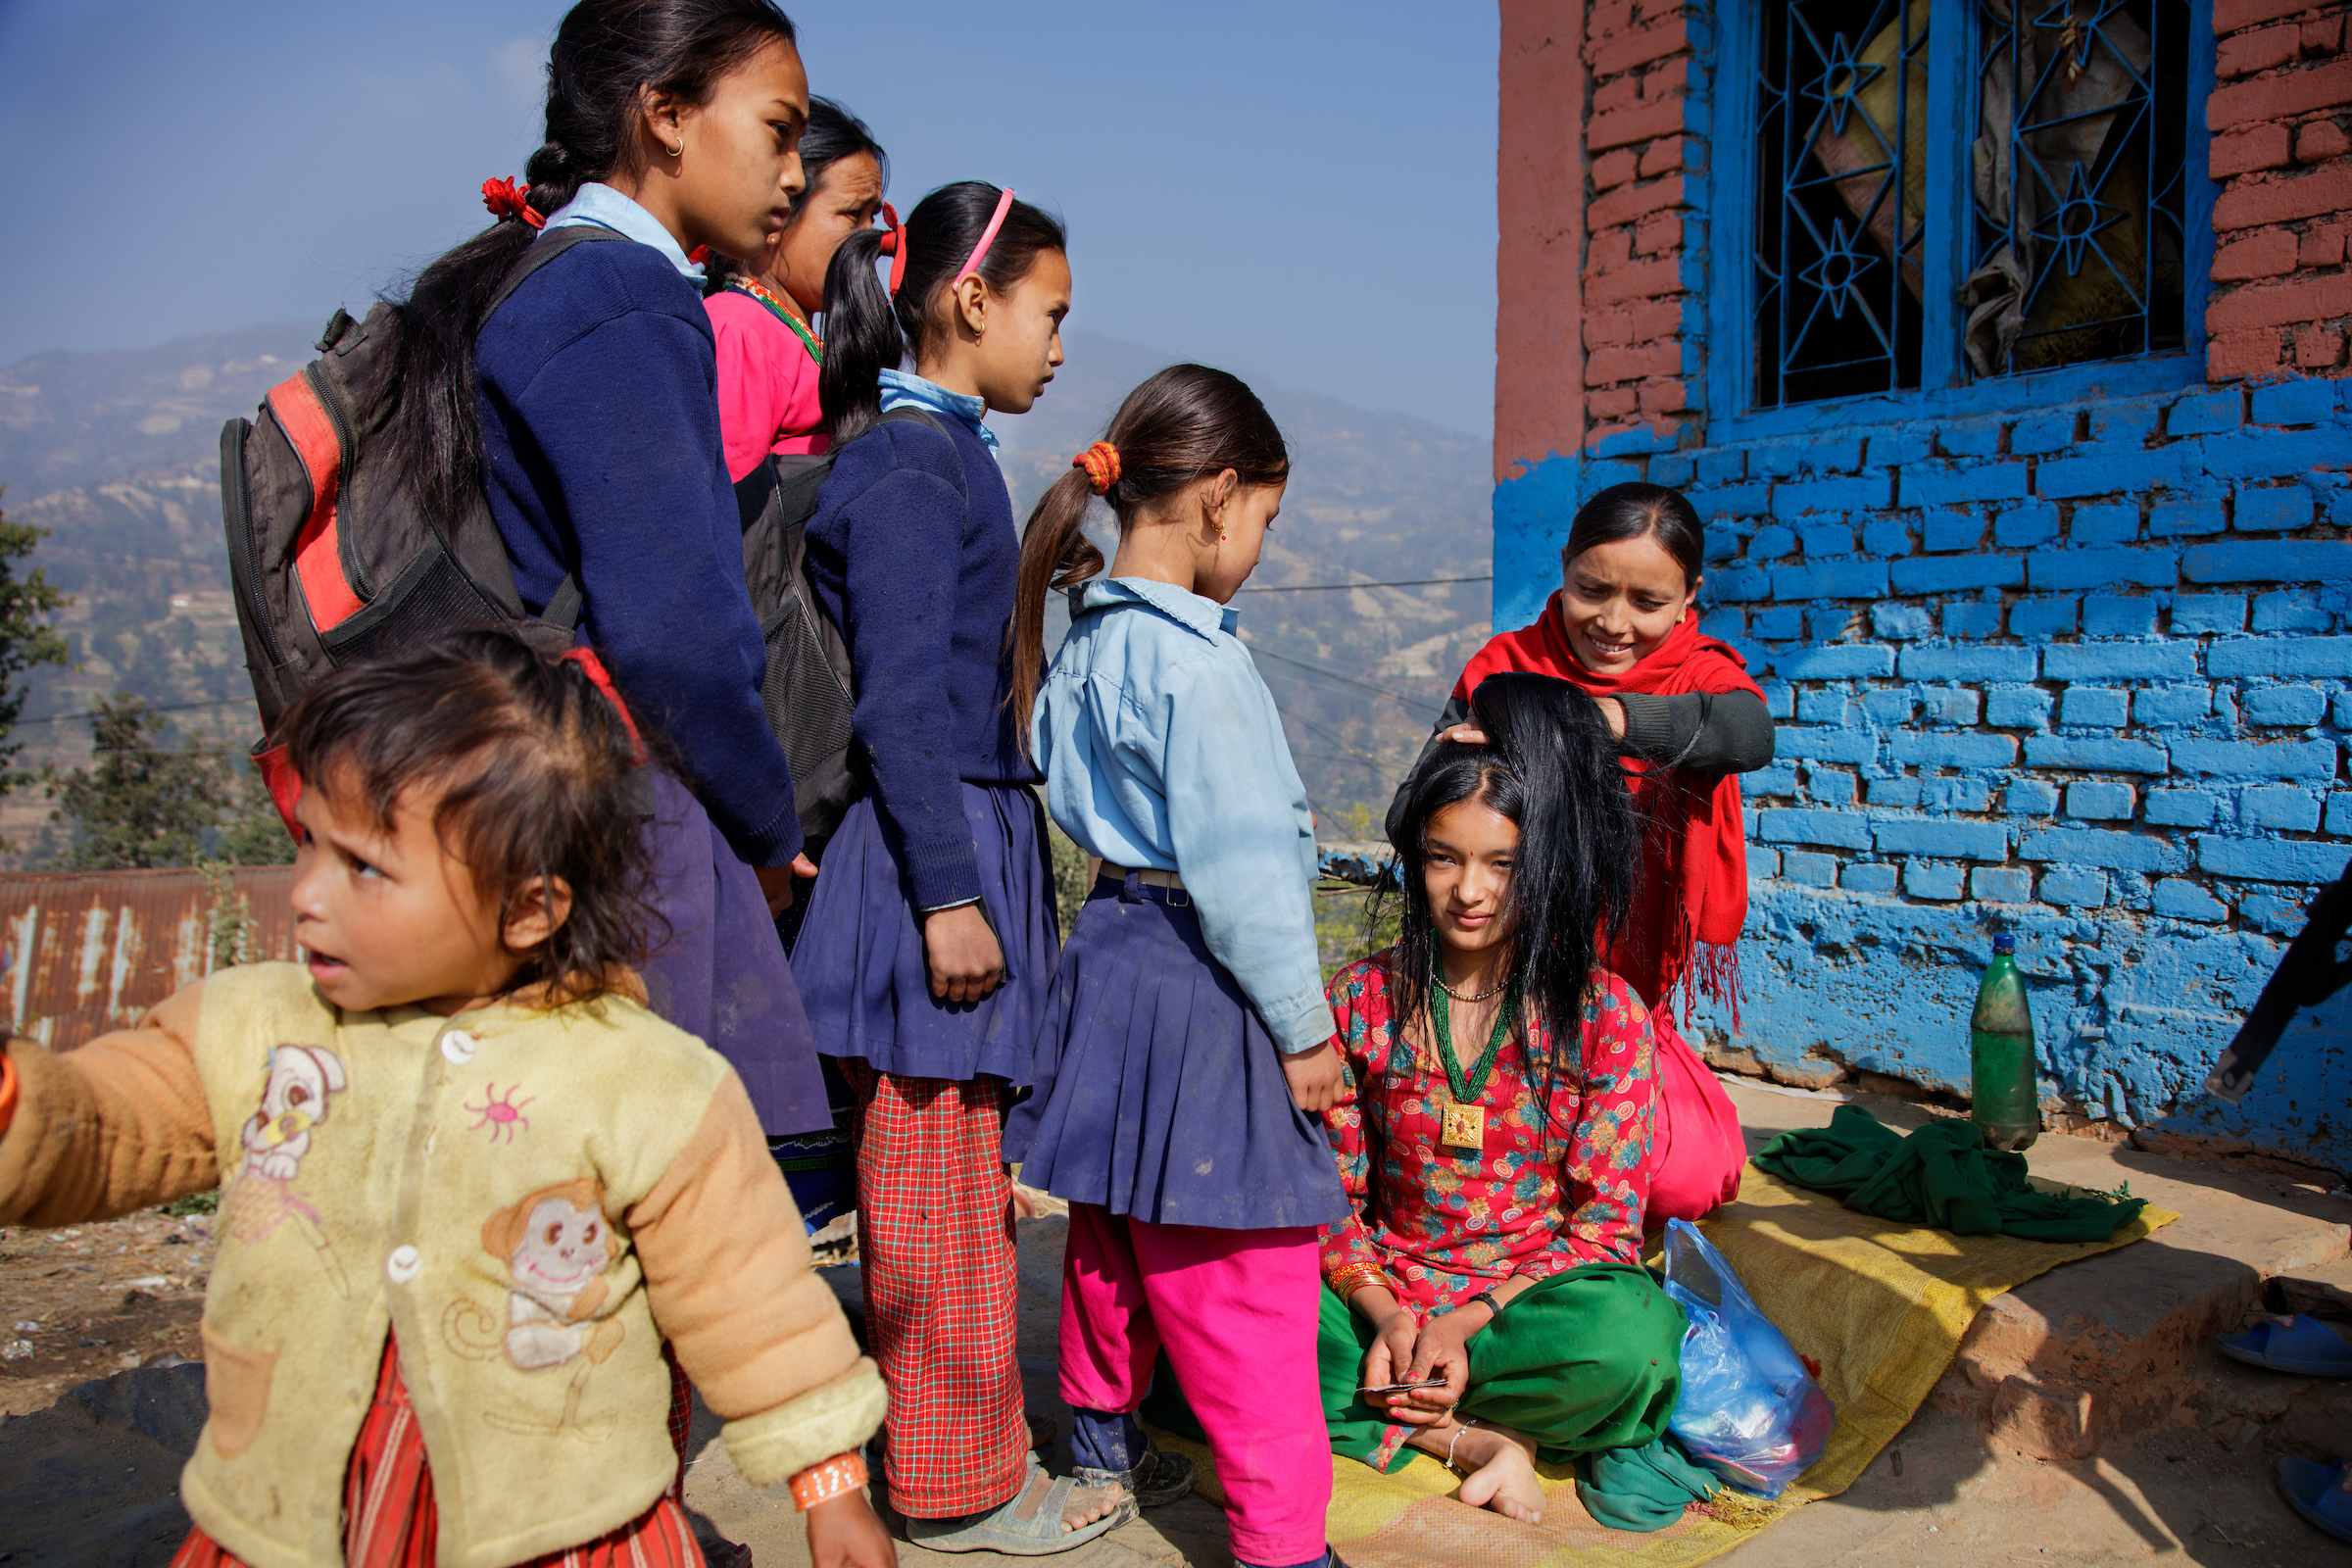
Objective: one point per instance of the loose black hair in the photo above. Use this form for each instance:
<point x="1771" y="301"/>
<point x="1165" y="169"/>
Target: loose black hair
<point x="1186" y="423"/>
<point x="867" y="331"/>
<point x="832" y="135"/>
<point x="1551" y="767"/>
<point x="534" y="767"/>
<point x="1633" y="510"/>
<point x="607" y="54"/>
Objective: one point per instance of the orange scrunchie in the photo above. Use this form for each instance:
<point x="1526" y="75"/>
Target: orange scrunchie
<point x="1102" y="465"/>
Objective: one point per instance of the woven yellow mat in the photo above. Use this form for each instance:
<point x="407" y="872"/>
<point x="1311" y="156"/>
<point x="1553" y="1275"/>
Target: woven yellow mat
<point x="1882" y="1309"/>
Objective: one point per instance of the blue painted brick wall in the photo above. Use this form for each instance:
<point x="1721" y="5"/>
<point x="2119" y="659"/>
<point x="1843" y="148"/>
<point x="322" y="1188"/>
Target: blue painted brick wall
<point x="2083" y="671"/>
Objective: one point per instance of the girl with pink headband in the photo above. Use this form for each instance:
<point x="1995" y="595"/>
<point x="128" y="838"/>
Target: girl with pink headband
<point x="930" y="942"/>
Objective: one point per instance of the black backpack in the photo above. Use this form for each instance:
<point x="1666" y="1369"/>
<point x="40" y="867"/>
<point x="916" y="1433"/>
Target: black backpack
<point x="809" y="691"/>
<point x="333" y="558"/>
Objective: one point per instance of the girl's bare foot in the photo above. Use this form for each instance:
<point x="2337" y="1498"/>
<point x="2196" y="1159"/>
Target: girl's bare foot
<point x="1500" y="1468"/>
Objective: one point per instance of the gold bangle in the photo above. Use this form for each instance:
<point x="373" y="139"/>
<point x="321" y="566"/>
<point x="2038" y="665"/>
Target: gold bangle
<point x="836" y="1477"/>
<point x="1355" y="1277"/>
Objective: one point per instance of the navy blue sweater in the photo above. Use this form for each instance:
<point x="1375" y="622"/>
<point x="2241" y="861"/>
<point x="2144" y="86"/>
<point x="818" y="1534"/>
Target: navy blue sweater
<point x="599" y="422"/>
<point x="913" y="556"/>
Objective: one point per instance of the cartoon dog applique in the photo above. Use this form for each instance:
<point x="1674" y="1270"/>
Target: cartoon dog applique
<point x="298" y="1086"/>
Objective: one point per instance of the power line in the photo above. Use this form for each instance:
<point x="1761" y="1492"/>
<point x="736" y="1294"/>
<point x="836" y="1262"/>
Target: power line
<point x="1415" y="703"/>
<point x="1327" y="587"/>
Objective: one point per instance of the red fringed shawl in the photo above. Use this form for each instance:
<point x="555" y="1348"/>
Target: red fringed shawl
<point x="1685" y="928"/>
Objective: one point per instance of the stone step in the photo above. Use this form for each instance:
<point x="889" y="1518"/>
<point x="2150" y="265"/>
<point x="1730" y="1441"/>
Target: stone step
<point x="2101" y="1350"/>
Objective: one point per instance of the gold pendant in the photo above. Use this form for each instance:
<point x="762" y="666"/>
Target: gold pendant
<point x="1464" y="1128"/>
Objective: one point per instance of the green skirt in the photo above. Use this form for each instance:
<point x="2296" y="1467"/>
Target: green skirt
<point x="1582" y="1361"/>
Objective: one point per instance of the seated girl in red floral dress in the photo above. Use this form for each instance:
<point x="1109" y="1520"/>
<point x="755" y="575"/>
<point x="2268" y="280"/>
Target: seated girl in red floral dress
<point x="1498" y="1171"/>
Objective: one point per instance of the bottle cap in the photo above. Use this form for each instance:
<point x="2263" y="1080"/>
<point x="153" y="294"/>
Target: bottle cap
<point x="2004" y="943"/>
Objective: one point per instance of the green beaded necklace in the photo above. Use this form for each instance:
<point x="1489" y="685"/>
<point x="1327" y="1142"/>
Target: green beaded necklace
<point x="808" y="339"/>
<point x="1464" y="1124"/>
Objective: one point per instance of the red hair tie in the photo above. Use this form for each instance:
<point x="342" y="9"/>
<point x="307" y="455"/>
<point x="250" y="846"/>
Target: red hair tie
<point x="594" y="669"/>
<point x="894" y="245"/>
<point x="506" y="199"/>
<point x="1102" y="465"/>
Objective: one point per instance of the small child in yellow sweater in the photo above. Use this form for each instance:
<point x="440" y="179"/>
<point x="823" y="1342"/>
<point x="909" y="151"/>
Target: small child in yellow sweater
<point x="482" y="1214"/>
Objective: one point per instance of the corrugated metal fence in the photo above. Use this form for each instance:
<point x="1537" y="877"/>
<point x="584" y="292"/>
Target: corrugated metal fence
<point x="88" y="952"/>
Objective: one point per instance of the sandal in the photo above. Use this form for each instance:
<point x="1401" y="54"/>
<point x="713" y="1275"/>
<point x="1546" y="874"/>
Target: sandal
<point x="2317" y="1492"/>
<point x="2300" y="1345"/>
<point x="1028" y="1525"/>
<point x="1158" y="1477"/>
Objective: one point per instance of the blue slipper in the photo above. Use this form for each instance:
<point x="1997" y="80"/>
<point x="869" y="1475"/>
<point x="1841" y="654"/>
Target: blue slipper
<point x="2299" y="1345"/>
<point x="2317" y="1492"/>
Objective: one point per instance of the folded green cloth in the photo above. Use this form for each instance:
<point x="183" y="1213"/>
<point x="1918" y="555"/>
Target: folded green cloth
<point x="1642" y="1489"/>
<point x="1941" y="1175"/>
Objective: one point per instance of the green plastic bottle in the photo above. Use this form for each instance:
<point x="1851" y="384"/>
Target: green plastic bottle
<point x="2007" y="1108"/>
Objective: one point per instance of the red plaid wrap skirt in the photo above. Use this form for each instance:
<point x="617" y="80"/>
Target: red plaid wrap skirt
<point x="942" y="1285"/>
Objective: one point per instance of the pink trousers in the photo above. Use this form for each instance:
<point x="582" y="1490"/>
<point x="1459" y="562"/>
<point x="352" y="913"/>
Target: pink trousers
<point x="1698" y="1153"/>
<point x="1235" y="1312"/>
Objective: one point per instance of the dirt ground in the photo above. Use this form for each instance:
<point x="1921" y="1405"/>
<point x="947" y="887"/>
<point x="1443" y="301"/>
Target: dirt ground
<point x="96" y="1300"/>
<point x="105" y="1297"/>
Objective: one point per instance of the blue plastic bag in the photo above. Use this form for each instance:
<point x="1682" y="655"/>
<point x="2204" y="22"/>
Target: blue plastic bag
<point x="1749" y="1410"/>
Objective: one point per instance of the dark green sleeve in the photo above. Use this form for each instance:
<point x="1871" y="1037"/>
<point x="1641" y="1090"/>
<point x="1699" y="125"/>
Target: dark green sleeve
<point x="1707" y="732"/>
<point x="1458" y="712"/>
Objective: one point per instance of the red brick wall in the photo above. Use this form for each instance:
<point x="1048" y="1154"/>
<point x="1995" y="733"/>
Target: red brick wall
<point x="1540" y="170"/>
<point x="2281" y="103"/>
<point x="1639" y="319"/>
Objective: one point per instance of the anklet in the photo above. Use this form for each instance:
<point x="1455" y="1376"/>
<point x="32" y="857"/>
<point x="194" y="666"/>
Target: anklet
<point x="1467" y="1424"/>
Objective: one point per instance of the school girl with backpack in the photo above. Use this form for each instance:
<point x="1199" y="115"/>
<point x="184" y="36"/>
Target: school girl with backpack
<point x="763" y="307"/>
<point x="1187" y="1050"/>
<point x="929" y="940"/>
<point x="583" y="404"/>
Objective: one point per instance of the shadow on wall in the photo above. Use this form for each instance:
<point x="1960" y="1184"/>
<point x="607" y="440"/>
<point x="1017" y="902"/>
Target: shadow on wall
<point x="2126" y="1023"/>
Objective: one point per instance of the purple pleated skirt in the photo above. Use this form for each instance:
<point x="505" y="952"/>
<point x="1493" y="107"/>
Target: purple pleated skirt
<point x="860" y="961"/>
<point x="1159" y="1090"/>
<point x="718" y="972"/>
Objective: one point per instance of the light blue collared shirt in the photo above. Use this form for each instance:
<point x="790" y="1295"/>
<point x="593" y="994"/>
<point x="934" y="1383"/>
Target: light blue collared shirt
<point x="1162" y="748"/>
<point x="901" y="390"/>
<point x="607" y="208"/>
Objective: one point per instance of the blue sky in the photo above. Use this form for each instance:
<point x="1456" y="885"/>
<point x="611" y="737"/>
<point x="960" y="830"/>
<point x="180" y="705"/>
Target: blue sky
<point x="1301" y="190"/>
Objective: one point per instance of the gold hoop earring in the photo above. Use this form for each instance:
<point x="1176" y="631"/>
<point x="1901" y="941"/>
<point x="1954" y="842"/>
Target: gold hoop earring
<point x="679" y="151"/>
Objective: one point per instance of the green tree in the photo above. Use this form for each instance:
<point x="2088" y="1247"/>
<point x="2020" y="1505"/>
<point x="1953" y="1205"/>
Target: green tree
<point x="254" y="833"/>
<point x="29" y="635"/>
<point x="146" y="803"/>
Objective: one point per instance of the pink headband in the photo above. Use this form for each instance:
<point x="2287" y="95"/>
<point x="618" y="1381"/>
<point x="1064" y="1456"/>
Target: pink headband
<point x="988" y="236"/>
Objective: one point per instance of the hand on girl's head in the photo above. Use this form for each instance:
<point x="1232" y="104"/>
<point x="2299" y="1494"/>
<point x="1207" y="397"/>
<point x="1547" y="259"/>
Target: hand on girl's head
<point x="391" y="917"/>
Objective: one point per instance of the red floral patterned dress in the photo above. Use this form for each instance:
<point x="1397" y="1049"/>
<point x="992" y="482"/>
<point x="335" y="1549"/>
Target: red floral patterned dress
<point x="1548" y="1191"/>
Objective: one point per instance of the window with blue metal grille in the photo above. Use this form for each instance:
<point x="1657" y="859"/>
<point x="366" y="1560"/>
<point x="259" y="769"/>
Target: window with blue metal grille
<point x="2070" y="170"/>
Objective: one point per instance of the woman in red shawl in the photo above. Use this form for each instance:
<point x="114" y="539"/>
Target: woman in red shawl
<point x="1623" y="626"/>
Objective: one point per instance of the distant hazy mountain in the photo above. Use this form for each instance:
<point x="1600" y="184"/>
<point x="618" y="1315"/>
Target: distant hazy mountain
<point x="117" y="453"/>
<point x="71" y="419"/>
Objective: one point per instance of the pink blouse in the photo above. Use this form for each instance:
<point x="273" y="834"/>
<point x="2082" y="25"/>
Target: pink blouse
<point x="766" y="384"/>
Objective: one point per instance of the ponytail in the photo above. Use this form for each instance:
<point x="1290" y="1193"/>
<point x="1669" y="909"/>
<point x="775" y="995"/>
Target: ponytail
<point x="870" y="329"/>
<point x="862" y="339"/>
<point x="1189" y="423"/>
<point x="607" y="53"/>
<point x="1055" y="554"/>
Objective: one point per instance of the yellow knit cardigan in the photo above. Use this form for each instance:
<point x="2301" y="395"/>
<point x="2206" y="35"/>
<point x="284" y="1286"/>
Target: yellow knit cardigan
<point x="532" y="1200"/>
